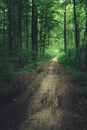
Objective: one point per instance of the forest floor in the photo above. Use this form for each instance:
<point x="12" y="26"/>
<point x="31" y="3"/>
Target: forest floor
<point x="43" y="100"/>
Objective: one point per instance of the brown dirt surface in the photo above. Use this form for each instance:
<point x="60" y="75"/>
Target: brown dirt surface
<point x="47" y="101"/>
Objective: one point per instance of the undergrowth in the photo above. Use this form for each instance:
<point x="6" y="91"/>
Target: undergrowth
<point x="32" y="66"/>
<point x="11" y="67"/>
<point x="76" y="70"/>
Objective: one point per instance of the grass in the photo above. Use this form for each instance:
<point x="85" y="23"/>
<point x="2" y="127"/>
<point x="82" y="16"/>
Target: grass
<point x="32" y="66"/>
<point x="77" y="76"/>
<point x="12" y="66"/>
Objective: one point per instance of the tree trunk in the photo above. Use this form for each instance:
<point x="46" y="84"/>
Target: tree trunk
<point x="20" y="25"/>
<point x="86" y="38"/>
<point x="27" y="29"/>
<point x="40" y="38"/>
<point x="44" y="39"/>
<point x="34" y="30"/>
<point x="14" y="28"/>
<point x="65" y="28"/>
<point x="10" y="39"/>
<point x="4" y="30"/>
<point x="76" y="29"/>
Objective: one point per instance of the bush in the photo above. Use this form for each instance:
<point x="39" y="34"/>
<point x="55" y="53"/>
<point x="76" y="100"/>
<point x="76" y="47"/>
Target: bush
<point x="74" y="68"/>
<point x="78" y="77"/>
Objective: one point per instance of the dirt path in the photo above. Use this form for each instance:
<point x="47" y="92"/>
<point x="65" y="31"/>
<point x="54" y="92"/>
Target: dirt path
<point x="46" y="104"/>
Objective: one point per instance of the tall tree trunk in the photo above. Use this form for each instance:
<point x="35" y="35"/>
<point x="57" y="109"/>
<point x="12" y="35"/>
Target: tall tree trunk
<point x="20" y="25"/>
<point x="10" y="39"/>
<point x="40" y="38"/>
<point x="86" y="38"/>
<point x="14" y="28"/>
<point x="4" y="33"/>
<point x="27" y="32"/>
<point x="76" y="29"/>
<point x="65" y="28"/>
<point x="34" y="30"/>
<point x="44" y="39"/>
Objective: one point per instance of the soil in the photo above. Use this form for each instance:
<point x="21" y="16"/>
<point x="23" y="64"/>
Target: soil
<point x="43" y="100"/>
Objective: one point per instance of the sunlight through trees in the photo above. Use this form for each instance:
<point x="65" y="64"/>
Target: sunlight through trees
<point x="31" y="29"/>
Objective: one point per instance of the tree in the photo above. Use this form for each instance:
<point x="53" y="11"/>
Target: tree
<point x="27" y="24"/>
<point x="65" y="28"/>
<point x="10" y="36"/>
<point x="34" y="30"/>
<point x="76" y="29"/>
<point x="86" y="37"/>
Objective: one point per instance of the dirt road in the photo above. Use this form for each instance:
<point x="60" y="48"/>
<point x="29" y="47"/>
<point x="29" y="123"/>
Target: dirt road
<point x="47" y="103"/>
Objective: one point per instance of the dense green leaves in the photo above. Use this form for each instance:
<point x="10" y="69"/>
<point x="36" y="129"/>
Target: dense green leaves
<point x="30" y="29"/>
<point x="25" y="32"/>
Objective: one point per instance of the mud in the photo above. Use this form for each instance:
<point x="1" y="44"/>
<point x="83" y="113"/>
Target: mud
<point x="47" y="103"/>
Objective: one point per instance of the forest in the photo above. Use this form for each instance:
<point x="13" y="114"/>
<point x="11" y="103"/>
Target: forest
<point x="33" y="31"/>
<point x="43" y="64"/>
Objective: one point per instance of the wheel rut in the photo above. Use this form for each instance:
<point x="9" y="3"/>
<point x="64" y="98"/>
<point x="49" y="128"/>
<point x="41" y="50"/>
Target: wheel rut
<point x="50" y="106"/>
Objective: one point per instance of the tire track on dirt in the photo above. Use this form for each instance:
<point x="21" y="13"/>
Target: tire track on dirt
<point x="47" y="103"/>
<point x="51" y="106"/>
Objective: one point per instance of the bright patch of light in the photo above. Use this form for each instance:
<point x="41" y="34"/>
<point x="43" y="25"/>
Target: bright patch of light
<point x="61" y="1"/>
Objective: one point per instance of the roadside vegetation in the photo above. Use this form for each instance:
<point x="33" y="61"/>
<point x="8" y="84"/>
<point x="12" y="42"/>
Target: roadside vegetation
<point x="32" y="32"/>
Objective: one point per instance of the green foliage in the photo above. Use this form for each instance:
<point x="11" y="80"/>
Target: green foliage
<point x="51" y="51"/>
<point x="32" y="66"/>
<point x="23" y="58"/>
<point x="78" y="77"/>
<point x="16" y="39"/>
<point x="74" y="68"/>
<point x="7" y="69"/>
<point x="9" y="65"/>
